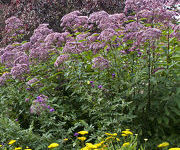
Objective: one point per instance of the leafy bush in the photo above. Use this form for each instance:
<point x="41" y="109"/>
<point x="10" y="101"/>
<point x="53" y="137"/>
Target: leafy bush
<point x="98" y="75"/>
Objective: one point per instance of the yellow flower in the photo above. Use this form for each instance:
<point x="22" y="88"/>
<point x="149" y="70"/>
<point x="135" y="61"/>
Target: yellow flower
<point x="18" y="148"/>
<point x="90" y="145"/>
<point x="117" y="139"/>
<point x="109" y="134"/>
<point x="99" y="144"/>
<point x="124" y="134"/>
<point x="88" y="82"/>
<point x="65" y="139"/>
<point x="27" y="148"/>
<point x="109" y="137"/>
<point x="164" y="144"/>
<point x="83" y="132"/>
<point x="82" y="138"/>
<point x="53" y="145"/>
<point x="126" y="144"/>
<point x="11" y="142"/>
<point x="176" y="148"/>
<point x="127" y="132"/>
<point x="85" y="148"/>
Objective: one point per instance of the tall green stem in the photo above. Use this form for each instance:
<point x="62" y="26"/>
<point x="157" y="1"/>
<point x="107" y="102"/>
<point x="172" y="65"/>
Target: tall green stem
<point x="168" y="46"/>
<point x="149" y="79"/>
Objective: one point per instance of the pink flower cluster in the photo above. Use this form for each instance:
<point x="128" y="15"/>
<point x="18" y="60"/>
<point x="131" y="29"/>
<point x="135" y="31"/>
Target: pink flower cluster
<point x="100" y="63"/>
<point x="14" y="27"/>
<point x="73" y="20"/>
<point x="152" y="10"/>
<point x="76" y="22"/>
<point x="103" y="27"/>
<point x="19" y="70"/>
<point x="4" y="77"/>
<point x="61" y="59"/>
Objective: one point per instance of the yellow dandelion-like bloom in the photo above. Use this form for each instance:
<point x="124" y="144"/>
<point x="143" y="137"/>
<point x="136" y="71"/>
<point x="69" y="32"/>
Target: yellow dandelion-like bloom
<point x="11" y="142"/>
<point x="27" y="148"/>
<point x="99" y="144"/>
<point x="18" y="148"/>
<point x="83" y="132"/>
<point x="0" y="145"/>
<point x="117" y="139"/>
<point x="66" y="139"/>
<point x="176" y="148"/>
<point x="124" y="134"/>
<point x="90" y="145"/>
<point x="53" y="145"/>
<point x="127" y="132"/>
<point x="82" y="138"/>
<point x="110" y="137"/>
<point x="88" y="82"/>
<point x="109" y="134"/>
<point x="164" y="144"/>
<point x="85" y="148"/>
<point x="126" y="144"/>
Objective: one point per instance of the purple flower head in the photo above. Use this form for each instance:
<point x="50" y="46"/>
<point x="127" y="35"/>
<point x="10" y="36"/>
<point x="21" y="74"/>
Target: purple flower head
<point x="39" y="105"/>
<point x="49" y="107"/>
<point x="113" y="75"/>
<point x="76" y="134"/>
<point x="108" y="49"/>
<point x="139" y="53"/>
<point x="16" y="120"/>
<point x="38" y="97"/>
<point x="117" y="45"/>
<point x="100" y="86"/>
<point x="28" y="88"/>
<point x="27" y="99"/>
<point x="52" y="109"/>
<point x="123" y="52"/>
<point x="91" y="82"/>
<point x="92" y="85"/>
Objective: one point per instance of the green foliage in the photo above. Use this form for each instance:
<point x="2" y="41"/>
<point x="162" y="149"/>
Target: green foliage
<point x="143" y="94"/>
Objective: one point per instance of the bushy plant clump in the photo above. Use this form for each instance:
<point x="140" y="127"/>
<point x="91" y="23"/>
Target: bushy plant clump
<point x="102" y="73"/>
